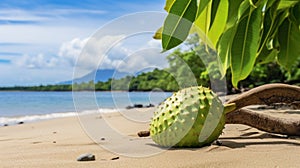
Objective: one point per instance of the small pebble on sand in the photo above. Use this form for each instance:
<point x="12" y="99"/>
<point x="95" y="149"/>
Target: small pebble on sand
<point x="86" y="157"/>
<point x="115" y="158"/>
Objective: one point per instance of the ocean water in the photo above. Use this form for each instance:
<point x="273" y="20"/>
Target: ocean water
<point x="18" y="106"/>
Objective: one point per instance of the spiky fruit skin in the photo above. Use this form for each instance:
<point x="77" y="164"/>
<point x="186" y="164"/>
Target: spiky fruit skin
<point x="192" y="117"/>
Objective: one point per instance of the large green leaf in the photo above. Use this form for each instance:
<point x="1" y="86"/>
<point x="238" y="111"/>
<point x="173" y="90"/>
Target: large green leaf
<point x="224" y="49"/>
<point x="214" y="9"/>
<point x="268" y="26"/>
<point x="219" y="22"/>
<point x="295" y="14"/>
<point x="289" y="40"/>
<point x="280" y="16"/>
<point x="271" y="3"/>
<point x="267" y="55"/>
<point x="178" y="23"/>
<point x="287" y="3"/>
<point x="243" y="9"/>
<point x="202" y="23"/>
<point x="269" y="46"/>
<point x="202" y="5"/>
<point x="168" y="5"/>
<point x="233" y="12"/>
<point x="245" y="44"/>
<point x="242" y="31"/>
<point x="158" y="34"/>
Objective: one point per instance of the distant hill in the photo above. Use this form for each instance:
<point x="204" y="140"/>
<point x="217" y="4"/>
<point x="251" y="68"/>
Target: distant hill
<point x="101" y="75"/>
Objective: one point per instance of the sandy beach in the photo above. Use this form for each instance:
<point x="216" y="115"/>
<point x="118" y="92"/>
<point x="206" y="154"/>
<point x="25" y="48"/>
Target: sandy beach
<point x="58" y="143"/>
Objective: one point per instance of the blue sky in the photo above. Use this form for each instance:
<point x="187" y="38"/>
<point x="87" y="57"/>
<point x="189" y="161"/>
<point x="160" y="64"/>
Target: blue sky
<point x="40" y="39"/>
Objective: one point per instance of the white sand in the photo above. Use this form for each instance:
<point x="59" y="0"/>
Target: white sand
<point x="58" y="142"/>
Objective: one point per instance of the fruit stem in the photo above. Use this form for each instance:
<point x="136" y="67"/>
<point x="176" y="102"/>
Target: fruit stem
<point x="230" y="107"/>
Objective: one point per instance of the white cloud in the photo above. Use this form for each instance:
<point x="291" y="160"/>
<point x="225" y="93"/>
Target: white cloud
<point x="69" y="51"/>
<point x="108" y="52"/>
<point x="89" y="53"/>
<point x="86" y="54"/>
<point x="153" y="43"/>
<point x="143" y="59"/>
<point x="52" y="37"/>
<point x="36" y="62"/>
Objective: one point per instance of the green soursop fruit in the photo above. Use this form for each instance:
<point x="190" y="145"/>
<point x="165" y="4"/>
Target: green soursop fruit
<point x="191" y="117"/>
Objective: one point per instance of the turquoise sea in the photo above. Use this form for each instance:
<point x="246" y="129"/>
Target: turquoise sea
<point x="18" y="106"/>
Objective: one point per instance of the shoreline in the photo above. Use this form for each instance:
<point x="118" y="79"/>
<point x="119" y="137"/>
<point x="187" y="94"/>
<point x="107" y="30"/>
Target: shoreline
<point x="15" y="120"/>
<point x="22" y="119"/>
<point x="58" y="142"/>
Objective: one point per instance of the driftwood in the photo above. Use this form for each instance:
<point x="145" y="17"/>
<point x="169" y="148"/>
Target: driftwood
<point x="263" y="95"/>
<point x="264" y="122"/>
<point x="267" y="94"/>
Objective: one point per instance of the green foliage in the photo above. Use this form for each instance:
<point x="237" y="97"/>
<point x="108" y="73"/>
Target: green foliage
<point x="154" y="80"/>
<point x="245" y="44"/>
<point x="218" y="18"/>
<point x="38" y="88"/>
<point x="186" y="67"/>
<point x="84" y="86"/>
<point x="289" y="40"/>
<point x="243" y="32"/>
<point x="262" y="74"/>
<point x="177" y="25"/>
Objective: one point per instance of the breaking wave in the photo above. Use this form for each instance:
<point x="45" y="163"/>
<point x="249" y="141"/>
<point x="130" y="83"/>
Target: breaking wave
<point x="5" y="121"/>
